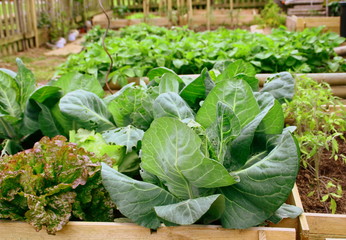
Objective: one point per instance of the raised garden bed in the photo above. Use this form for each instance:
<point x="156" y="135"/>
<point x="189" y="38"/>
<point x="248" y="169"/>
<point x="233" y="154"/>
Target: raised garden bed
<point x="320" y="226"/>
<point x="120" y="23"/>
<point x="287" y="229"/>
<point x="295" y="23"/>
<point x="100" y="231"/>
<point x="222" y="17"/>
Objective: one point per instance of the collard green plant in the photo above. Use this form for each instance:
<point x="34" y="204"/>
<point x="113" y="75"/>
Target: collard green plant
<point x="229" y="159"/>
<point x="137" y="49"/>
<point x="52" y="183"/>
<point x="27" y="113"/>
<point x="15" y="90"/>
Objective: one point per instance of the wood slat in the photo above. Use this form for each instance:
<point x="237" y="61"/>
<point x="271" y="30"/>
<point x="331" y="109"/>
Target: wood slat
<point x="6" y="27"/>
<point x="101" y="231"/>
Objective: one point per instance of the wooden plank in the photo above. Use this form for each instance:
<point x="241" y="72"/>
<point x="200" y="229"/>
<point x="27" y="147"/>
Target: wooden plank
<point x="326" y="225"/>
<point x="34" y="20"/>
<point x="111" y="231"/>
<point x="217" y="232"/>
<point x="11" y="39"/>
<point x="303" y="2"/>
<point x="6" y="26"/>
<point x="331" y="23"/>
<point x="75" y="230"/>
<point x="1" y="25"/>
<point x="339" y="91"/>
<point x="208" y="14"/>
<point x="15" y="4"/>
<point x="11" y="17"/>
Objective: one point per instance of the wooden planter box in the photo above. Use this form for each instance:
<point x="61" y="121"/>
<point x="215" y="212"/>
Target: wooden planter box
<point x="223" y="17"/>
<point x="320" y="226"/>
<point x="294" y="23"/>
<point x="120" y="23"/>
<point x="285" y="230"/>
<point x="112" y="231"/>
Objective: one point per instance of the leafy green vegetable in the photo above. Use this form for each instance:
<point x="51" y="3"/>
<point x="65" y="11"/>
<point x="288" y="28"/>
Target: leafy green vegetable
<point x="15" y="90"/>
<point x="87" y="109"/>
<point x="52" y="183"/>
<point x="138" y="49"/>
<point x="234" y="162"/>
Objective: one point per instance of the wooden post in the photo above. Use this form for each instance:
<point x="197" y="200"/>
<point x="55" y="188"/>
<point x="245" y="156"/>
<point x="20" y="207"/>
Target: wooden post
<point x="178" y="12"/>
<point x="208" y="15"/>
<point x="5" y="17"/>
<point x="231" y="6"/>
<point x="190" y="12"/>
<point x="169" y="10"/>
<point x="70" y="12"/>
<point x="34" y="21"/>
<point x="146" y="10"/>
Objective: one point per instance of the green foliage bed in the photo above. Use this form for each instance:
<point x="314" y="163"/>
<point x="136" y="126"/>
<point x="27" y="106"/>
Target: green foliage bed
<point x="206" y="150"/>
<point x="137" y="49"/>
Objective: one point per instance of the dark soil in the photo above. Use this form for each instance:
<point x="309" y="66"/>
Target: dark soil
<point x="330" y="170"/>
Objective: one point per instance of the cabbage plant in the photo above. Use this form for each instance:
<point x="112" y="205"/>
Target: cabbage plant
<point x="214" y="149"/>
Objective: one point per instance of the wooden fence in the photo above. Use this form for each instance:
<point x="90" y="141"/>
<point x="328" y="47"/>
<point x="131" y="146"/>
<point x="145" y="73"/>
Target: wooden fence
<point x="22" y="21"/>
<point x="17" y="25"/>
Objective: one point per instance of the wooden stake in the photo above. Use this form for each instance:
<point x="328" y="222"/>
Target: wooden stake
<point x="190" y="12"/>
<point x="34" y="21"/>
<point x="208" y="15"/>
<point x="231" y="11"/>
<point x="169" y="10"/>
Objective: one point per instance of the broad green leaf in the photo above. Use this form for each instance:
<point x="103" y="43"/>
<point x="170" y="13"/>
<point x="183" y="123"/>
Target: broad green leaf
<point x="158" y="72"/>
<point x="9" y="95"/>
<point x="236" y="94"/>
<point x="225" y="128"/>
<point x="240" y="148"/>
<point x="8" y="72"/>
<point x="64" y="121"/>
<point x="235" y="68"/>
<point x="169" y="83"/>
<point x="178" y="63"/>
<point x="73" y="81"/>
<point x="281" y="86"/>
<point x="87" y="109"/>
<point x="26" y="83"/>
<point x="285" y="211"/>
<point x="47" y="94"/>
<point x="263" y="187"/>
<point x="186" y="212"/>
<point x="135" y="199"/>
<point x="94" y="142"/>
<point x="172" y="105"/>
<point x="274" y="121"/>
<point x="48" y="125"/>
<point x="127" y="136"/>
<point x="251" y="80"/>
<point x="171" y="151"/>
<point x="126" y="104"/>
<point x="198" y="89"/>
